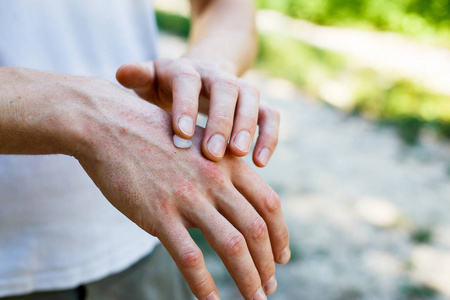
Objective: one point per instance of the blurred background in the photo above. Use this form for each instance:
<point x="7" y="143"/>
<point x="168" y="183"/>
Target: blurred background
<point x="363" y="162"/>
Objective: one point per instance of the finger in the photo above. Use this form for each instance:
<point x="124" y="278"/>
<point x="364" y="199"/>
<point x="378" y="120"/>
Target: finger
<point x="232" y="248"/>
<point x="189" y="260"/>
<point x="245" y="120"/>
<point x="243" y="216"/>
<point x="224" y="93"/>
<point x="269" y="124"/>
<point x="267" y="204"/>
<point x="137" y="76"/>
<point x="186" y="85"/>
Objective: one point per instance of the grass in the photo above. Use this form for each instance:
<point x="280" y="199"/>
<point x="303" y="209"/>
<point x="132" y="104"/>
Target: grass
<point x="173" y="23"/>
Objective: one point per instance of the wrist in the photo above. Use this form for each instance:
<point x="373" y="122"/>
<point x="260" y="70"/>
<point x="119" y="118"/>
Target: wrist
<point x="103" y="115"/>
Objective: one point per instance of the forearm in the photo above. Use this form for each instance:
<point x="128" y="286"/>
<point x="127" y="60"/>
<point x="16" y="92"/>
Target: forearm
<point x="31" y="113"/>
<point x="223" y="31"/>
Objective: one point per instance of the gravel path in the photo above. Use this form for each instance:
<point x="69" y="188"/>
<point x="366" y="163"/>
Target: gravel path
<point x="369" y="218"/>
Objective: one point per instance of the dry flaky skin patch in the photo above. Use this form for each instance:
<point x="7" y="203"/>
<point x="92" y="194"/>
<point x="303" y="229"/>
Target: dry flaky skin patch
<point x="354" y="197"/>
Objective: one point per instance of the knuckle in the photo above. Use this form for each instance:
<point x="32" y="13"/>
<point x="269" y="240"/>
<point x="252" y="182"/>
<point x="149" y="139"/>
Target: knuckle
<point x="200" y="286"/>
<point x="184" y="190"/>
<point x="269" y="268"/>
<point x="269" y="111"/>
<point x="251" y="281"/>
<point x="252" y="115"/>
<point x="250" y="89"/>
<point x="235" y="245"/>
<point x="258" y="229"/>
<point x="273" y="140"/>
<point x="272" y="201"/>
<point x="186" y="102"/>
<point x="276" y="115"/>
<point x="248" y="115"/>
<point x="191" y="258"/>
<point x="222" y="120"/>
<point x="212" y="172"/>
<point x="187" y="74"/>
<point x="284" y="236"/>
<point x="227" y="84"/>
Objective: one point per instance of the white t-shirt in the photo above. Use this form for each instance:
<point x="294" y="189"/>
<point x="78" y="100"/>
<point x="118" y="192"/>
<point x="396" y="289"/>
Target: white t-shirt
<point x="56" y="229"/>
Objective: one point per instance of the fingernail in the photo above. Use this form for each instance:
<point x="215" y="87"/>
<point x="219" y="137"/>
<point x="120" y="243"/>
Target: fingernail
<point x="260" y="295"/>
<point x="186" y="125"/>
<point x="216" y="145"/>
<point x="181" y="143"/>
<point x="213" y="296"/>
<point x="242" y="141"/>
<point x="264" y="156"/>
<point x="285" y="255"/>
<point x="270" y="285"/>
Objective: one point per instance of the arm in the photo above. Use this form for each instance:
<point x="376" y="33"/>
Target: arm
<point x="214" y="25"/>
<point x="125" y="146"/>
<point x="222" y="46"/>
<point x="31" y="113"/>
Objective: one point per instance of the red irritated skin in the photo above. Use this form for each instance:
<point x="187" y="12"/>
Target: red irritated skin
<point x="125" y="145"/>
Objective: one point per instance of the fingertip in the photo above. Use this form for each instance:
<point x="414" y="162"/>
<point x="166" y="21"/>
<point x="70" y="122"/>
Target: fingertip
<point x="214" y="148"/>
<point x="241" y="143"/>
<point x="270" y="286"/>
<point x="213" y="296"/>
<point x="184" y="126"/>
<point x="262" y="157"/>
<point x="125" y="75"/>
<point x="135" y="75"/>
<point x="284" y="256"/>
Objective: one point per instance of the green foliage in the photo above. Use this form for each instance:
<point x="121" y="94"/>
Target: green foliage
<point x="401" y="103"/>
<point x="173" y="23"/>
<point x="413" y="17"/>
<point x="413" y="291"/>
<point x="300" y="63"/>
<point x="422" y="236"/>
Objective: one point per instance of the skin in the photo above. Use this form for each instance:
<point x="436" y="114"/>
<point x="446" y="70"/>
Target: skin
<point x="125" y="143"/>
<point x="205" y="80"/>
<point x="125" y="146"/>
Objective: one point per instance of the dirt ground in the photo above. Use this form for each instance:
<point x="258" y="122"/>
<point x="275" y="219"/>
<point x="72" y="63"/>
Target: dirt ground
<point x="369" y="217"/>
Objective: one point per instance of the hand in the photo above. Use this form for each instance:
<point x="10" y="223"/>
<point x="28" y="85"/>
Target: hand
<point x="186" y="87"/>
<point x="127" y="150"/>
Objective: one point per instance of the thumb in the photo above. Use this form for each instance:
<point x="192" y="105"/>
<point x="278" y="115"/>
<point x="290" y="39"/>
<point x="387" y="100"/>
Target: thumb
<point x="137" y="76"/>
